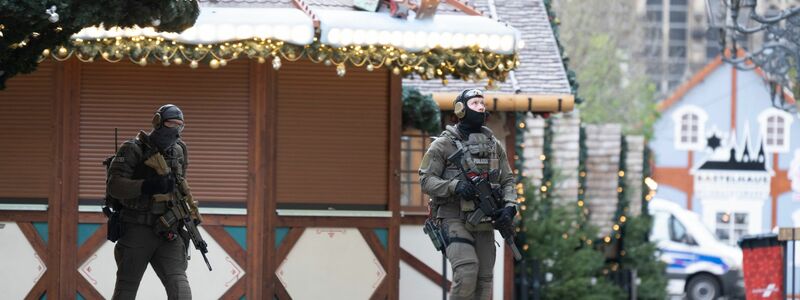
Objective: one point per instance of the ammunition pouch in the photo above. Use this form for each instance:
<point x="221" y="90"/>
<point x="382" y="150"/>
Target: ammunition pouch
<point x="165" y="226"/>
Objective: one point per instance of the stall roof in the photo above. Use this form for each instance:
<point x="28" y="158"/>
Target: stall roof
<point x="448" y="31"/>
<point x="458" y="40"/>
<point x="224" y="24"/>
<point x="541" y="71"/>
<point x="230" y="20"/>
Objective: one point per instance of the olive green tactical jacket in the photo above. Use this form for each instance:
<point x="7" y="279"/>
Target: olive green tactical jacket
<point x="438" y="177"/>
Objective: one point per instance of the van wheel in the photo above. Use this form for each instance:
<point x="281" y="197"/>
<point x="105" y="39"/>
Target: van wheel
<point x="703" y="287"/>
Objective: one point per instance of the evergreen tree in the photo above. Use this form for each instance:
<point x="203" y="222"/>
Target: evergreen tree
<point x="559" y="261"/>
<point x="639" y="253"/>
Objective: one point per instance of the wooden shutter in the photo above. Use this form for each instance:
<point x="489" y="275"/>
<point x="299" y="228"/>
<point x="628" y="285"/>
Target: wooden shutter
<point x="26" y="132"/>
<point x="215" y="104"/>
<point x="332" y="135"/>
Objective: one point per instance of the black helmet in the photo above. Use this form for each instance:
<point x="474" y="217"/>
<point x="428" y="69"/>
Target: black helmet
<point x="166" y="112"/>
<point x="460" y="103"/>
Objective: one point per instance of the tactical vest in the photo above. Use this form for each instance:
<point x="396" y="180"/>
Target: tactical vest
<point x="177" y="159"/>
<point x="483" y="157"/>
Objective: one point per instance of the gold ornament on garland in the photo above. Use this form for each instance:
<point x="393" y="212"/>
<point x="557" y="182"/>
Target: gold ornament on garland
<point x="435" y="63"/>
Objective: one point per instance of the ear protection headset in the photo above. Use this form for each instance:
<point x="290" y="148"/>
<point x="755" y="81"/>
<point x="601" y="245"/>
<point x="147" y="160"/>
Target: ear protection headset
<point x="166" y="112"/>
<point x="460" y="104"/>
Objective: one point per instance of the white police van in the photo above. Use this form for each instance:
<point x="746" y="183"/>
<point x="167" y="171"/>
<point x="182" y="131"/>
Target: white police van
<point x="698" y="265"/>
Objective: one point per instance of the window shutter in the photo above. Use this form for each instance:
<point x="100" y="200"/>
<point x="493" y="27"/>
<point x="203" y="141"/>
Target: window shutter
<point x="332" y="135"/>
<point x="26" y="117"/>
<point x="215" y="104"/>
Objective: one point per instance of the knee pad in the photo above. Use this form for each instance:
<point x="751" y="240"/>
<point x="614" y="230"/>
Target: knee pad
<point x="178" y="287"/>
<point x="465" y="279"/>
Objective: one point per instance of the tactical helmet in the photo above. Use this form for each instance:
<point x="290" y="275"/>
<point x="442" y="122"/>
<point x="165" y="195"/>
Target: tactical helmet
<point x="460" y="103"/>
<point x="166" y="112"/>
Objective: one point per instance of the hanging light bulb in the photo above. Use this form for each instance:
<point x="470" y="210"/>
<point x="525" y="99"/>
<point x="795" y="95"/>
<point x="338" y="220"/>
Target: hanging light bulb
<point x="261" y="60"/>
<point x="370" y="67"/>
<point x="143" y="61"/>
<point x="223" y="62"/>
<point x="193" y="64"/>
<point x="340" y="70"/>
<point x="276" y="63"/>
<point x="396" y="71"/>
<point x="62" y="51"/>
<point x="46" y="52"/>
<point x="177" y="61"/>
<point x="214" y="63"/>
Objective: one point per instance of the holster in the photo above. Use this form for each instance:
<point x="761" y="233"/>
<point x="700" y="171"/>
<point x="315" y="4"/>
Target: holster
<point x="116" y="228"/>
<point x="436" y="234"/>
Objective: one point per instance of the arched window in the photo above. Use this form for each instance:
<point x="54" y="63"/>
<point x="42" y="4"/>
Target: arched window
<point x="689" y="127"/>
<point x="775" y="125"/>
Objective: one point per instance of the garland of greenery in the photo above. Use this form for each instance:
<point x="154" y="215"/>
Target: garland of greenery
<point x="420" y="111"/>
<point x="571" y="76"/>
<point x="30" y="27"/>
<point x="470" y="63"/>
<point x="582" y="155"/>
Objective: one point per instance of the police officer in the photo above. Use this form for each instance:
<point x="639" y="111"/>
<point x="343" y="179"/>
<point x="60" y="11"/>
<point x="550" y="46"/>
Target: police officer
<point x="470" y="248"/>
<point x="138" y="189"/>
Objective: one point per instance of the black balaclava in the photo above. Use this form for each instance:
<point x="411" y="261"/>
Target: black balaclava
<point x="469" y="121"/>
<point x="165" y="137"/>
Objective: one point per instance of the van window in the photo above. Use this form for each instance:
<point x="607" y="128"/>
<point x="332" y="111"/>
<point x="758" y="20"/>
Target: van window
<point x="660" y="226"/>
<point x="678" y="233"/>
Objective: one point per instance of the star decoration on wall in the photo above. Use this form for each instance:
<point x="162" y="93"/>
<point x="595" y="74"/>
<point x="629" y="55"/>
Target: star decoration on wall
<point x="713" y="142"/>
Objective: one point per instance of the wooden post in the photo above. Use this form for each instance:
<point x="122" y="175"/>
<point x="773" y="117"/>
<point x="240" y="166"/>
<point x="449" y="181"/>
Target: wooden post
<point x="62" y="211"/>
<point x="395" y="118"/>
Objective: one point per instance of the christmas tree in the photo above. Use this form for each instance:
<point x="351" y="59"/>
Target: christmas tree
<point x="28" y="28"/>
<point x="559" y="259"/>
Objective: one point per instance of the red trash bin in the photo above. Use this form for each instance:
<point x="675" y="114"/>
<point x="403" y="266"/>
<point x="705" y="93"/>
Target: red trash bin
<point x="763" y="266"/>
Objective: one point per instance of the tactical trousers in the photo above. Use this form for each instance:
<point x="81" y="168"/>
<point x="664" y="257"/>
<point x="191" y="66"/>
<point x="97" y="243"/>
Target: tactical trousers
<point x="137" y="247"/>
<point x="472" y="263"/>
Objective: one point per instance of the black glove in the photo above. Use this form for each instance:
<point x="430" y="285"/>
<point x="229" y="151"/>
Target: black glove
<point x="466" y="191"/>
<point x="503" y="217"/>
<point x="158" y="185"/>
<point x="498" y="192"/>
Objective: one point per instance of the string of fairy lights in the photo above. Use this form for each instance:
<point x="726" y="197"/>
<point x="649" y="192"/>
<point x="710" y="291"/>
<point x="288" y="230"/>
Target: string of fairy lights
<point x="469" y="63"/>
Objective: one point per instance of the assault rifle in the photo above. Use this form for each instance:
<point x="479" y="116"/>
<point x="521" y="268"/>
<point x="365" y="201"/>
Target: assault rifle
<point x="486" y="201"/>
<point x="178" y="206"/>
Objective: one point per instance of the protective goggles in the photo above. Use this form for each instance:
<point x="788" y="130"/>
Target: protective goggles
<point x="174" y="123"/>
<point x="471" y="93"/>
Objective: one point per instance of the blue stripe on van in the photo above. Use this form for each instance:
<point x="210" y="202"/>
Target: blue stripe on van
<point x="689" y="258"/>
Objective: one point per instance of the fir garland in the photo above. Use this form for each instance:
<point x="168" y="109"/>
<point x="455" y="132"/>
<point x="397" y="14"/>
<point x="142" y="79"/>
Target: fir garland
<point x="437" y="63"/>
<point x="571" y="76"/>
<point x="30" y="27"/>
<point x="582" y="156"/>
<point x="420" y="111"/>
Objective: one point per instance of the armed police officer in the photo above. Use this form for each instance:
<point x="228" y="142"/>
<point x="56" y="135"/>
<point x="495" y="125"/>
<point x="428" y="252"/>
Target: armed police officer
<point x="469" y="247"/>
<point x="140" y="196"/>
